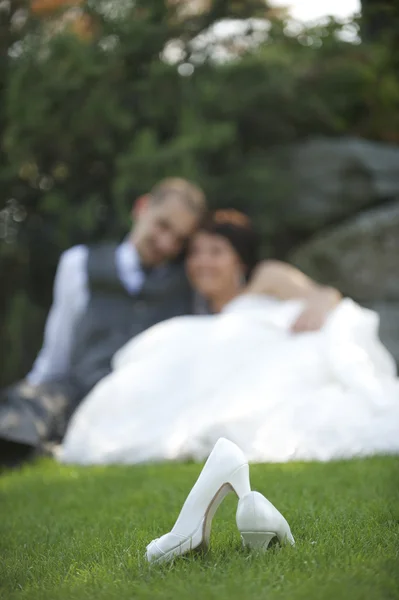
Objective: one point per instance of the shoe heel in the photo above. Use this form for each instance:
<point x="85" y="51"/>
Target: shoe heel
<point x="257" y="540"/>
<point x="239" y="484"/>
<point x="239" y="481"/>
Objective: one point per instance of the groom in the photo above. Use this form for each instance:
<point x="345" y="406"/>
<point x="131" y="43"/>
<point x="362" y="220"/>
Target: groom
<point x="103" y="296"/>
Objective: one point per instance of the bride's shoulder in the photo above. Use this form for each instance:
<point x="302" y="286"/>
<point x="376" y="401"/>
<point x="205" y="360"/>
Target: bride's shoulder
<point x="264" y="271"/>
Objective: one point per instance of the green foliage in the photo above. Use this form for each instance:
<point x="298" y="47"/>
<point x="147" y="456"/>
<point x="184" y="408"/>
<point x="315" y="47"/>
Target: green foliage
<point x="89" y="123"/>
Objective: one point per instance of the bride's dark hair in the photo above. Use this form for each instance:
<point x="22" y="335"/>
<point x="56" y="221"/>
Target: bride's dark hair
<point x="237" y="228"/>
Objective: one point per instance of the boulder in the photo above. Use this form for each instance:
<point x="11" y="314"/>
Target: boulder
<point x="360" y="257"/>
<point x="332" y="179"/>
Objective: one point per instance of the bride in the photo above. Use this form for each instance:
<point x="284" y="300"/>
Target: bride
<point x="285" y="368"/>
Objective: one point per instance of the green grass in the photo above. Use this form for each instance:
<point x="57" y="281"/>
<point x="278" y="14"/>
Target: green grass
<point x="69" y="532"/>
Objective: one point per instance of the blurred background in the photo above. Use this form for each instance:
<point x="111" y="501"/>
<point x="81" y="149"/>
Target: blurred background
<point x="289" y="112"/>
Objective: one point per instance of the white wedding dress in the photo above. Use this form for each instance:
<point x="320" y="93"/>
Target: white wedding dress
<point x="243" y="375"/>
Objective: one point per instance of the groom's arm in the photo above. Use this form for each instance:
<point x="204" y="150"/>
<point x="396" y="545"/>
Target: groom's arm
<point x="70" y="296"/>
<point x="286" y="282"/>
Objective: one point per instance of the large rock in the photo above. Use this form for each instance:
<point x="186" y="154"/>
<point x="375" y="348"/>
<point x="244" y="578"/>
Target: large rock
<point x="332" y="179"/>
<point x="359" y="257"/>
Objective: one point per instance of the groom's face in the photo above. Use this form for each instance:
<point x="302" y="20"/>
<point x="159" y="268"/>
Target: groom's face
<point x="162" y="228"/>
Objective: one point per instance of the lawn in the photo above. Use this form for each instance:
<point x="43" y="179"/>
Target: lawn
<point x="69" y="532"/>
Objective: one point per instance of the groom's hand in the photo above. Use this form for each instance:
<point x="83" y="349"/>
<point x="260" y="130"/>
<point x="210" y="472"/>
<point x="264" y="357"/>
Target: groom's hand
<point x="318" y="307"/>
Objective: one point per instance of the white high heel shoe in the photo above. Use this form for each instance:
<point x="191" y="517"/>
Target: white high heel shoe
<point x="226" y="470"/>
<point x="259" y="522"/>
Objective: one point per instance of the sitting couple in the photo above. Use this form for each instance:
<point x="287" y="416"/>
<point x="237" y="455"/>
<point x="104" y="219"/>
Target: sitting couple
<point x="238" y="370"/>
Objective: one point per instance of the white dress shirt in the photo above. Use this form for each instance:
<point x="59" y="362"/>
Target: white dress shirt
<point x="70" y="298"/>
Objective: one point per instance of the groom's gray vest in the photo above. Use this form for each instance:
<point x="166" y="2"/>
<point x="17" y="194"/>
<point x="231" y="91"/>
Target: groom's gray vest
<point x="114" y="316"/>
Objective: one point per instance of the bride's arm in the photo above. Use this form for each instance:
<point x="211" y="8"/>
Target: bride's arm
<point x="285" y="282"/>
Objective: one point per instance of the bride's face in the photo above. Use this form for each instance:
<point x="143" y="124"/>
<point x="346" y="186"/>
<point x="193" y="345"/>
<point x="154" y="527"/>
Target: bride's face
<point x="213" y="266"/>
